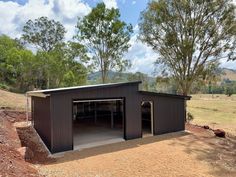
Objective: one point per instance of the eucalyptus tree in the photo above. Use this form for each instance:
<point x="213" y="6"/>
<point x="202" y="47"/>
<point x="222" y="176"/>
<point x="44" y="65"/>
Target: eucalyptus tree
<point x="106" y="39"/>
<point x="43" y="33"/>
<point x="190" y="36"/>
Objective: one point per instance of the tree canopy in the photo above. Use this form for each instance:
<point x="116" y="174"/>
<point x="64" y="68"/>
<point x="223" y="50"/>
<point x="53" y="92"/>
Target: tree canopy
<point x="43" y="33"/>
<point x="189" y="36"/>
<point x="22" y="70"/>
<point x="59" y="63"/>
<point x="106" y="39"/>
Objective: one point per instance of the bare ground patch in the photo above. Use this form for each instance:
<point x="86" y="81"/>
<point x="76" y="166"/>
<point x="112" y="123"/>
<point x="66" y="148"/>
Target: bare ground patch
<point x="199" y="153"/>
<point x="12" y="163"/>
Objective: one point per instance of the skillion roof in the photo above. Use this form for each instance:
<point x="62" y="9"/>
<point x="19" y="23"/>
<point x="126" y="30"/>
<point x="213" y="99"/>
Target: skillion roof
<point x="44" y="93"/>
<point x="47" y="92"/>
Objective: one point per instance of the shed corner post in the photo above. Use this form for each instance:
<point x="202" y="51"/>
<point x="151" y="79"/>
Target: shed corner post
<point x="27" y="109"/>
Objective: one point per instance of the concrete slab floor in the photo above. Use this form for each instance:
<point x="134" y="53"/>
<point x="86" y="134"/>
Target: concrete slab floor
<point x="87" y="136"/>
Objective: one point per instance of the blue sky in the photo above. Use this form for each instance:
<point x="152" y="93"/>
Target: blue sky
<point x="14" y="14"/>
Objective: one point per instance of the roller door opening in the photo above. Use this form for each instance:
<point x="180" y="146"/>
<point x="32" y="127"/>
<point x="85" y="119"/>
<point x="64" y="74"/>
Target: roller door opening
<point x="97" y="122"/>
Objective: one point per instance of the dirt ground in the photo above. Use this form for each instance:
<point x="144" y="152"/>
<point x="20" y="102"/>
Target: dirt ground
<point x="195" y="153"/>
<point x="12" y="163"/>
<point x="198" y="153"/>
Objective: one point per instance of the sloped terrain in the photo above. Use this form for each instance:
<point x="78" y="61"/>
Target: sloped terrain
<point x="229" y="74"/>
<point x="13" y="101"/>
<point x="12" y="162"/>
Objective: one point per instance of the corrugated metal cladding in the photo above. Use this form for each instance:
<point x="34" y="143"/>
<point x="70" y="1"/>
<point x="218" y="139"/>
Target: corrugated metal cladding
<point x="53" y="115"/>
<point x="168" y="113"/>
<point x="42" y="119"/>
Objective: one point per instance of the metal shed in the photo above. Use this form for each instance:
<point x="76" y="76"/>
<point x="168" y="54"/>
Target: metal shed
<point x="117" y="110"/>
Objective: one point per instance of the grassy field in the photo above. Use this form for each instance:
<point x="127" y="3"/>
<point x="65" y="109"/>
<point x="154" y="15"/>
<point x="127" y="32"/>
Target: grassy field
<point x="217" y="111"/>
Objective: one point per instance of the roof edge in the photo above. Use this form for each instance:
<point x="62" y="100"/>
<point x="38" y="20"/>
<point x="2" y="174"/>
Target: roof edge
<point x="166" y="95"/>
<point x="48" y="91"/>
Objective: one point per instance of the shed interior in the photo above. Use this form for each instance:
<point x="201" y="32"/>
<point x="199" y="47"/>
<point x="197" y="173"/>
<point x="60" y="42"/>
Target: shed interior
<point x="147" y="118"/>
<point x="97" y="122"/>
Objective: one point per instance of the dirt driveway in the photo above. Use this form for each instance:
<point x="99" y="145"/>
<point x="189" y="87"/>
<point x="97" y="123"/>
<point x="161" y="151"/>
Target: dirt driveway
<point x="181" y="154"/>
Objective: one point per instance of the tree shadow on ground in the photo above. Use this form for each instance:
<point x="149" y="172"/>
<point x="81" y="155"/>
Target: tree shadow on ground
<point x="219" y="152"/>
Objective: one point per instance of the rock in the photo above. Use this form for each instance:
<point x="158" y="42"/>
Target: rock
<point x="25" y="152"/>
<point x="219" y="133"/>
<point x="206" y="127"/>
<point x="22" y="151"/>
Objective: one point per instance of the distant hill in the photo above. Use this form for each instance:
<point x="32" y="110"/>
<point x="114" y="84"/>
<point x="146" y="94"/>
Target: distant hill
<point x="228" y="74"/>
<point x="95" y="77"/>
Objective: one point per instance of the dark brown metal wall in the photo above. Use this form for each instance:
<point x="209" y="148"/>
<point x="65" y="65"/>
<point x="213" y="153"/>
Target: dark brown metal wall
<point x="41" y="118"/>
<point x="53" y="115"/>
<point x="61" y="112"/>
<point x="169" y="113"/>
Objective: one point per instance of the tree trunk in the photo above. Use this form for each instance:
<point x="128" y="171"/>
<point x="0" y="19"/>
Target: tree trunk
<point x="48" y="82"/>
<point x="103" y="76"/>
<point x="185" y="90"/>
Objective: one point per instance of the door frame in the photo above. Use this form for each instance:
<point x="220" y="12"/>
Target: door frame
<point x="152" y="115"/>
<point x="122" y="99"/>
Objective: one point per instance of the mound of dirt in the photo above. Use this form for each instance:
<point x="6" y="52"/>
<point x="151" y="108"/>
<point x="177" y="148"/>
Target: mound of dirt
<point x="14" y="116"/>
<point x="30" y="139"/>
<point x="13" y="164"/>
<point x="11" y="161"/>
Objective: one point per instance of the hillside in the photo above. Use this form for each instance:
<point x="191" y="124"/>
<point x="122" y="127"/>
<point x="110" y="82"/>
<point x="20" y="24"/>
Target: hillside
<point x="229" y="74"/>
<point x="11" y="100"/>
<point x="124" y="77"/>
<point x="95" y="77"/>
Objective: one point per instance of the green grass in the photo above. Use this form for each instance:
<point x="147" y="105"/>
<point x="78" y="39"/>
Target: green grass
<point x="217" y="111"/>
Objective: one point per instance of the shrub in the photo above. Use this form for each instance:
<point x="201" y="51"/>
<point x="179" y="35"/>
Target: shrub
<point x="4" y="86"/>
<point x="189" y="117"/>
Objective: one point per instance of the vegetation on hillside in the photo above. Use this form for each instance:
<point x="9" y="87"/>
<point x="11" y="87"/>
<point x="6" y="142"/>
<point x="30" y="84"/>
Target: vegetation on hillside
<point x="186" y="34"/>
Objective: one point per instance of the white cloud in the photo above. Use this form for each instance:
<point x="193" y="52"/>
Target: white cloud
<point x="133" y="2"/>
<point x="228" y="64"/>
<point x="142" y="57"/>
<point x="70" y="8"/>
<point x="110" y="3"/>
<point x="7" y="16"/>
<point x="14" y="16"/>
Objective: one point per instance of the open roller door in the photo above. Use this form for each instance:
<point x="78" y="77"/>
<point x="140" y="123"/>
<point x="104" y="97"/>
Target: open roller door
<point x="97" y="122"/>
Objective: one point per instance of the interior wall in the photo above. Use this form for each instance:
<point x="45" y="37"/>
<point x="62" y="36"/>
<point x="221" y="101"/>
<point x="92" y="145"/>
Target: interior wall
<point x="146" y="113"/>
<point x="99" y="112"/>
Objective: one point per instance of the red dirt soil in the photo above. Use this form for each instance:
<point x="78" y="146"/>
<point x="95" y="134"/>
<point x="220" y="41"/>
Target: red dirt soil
<point x="36" y="151"/>
<point x="12" y="163"/>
